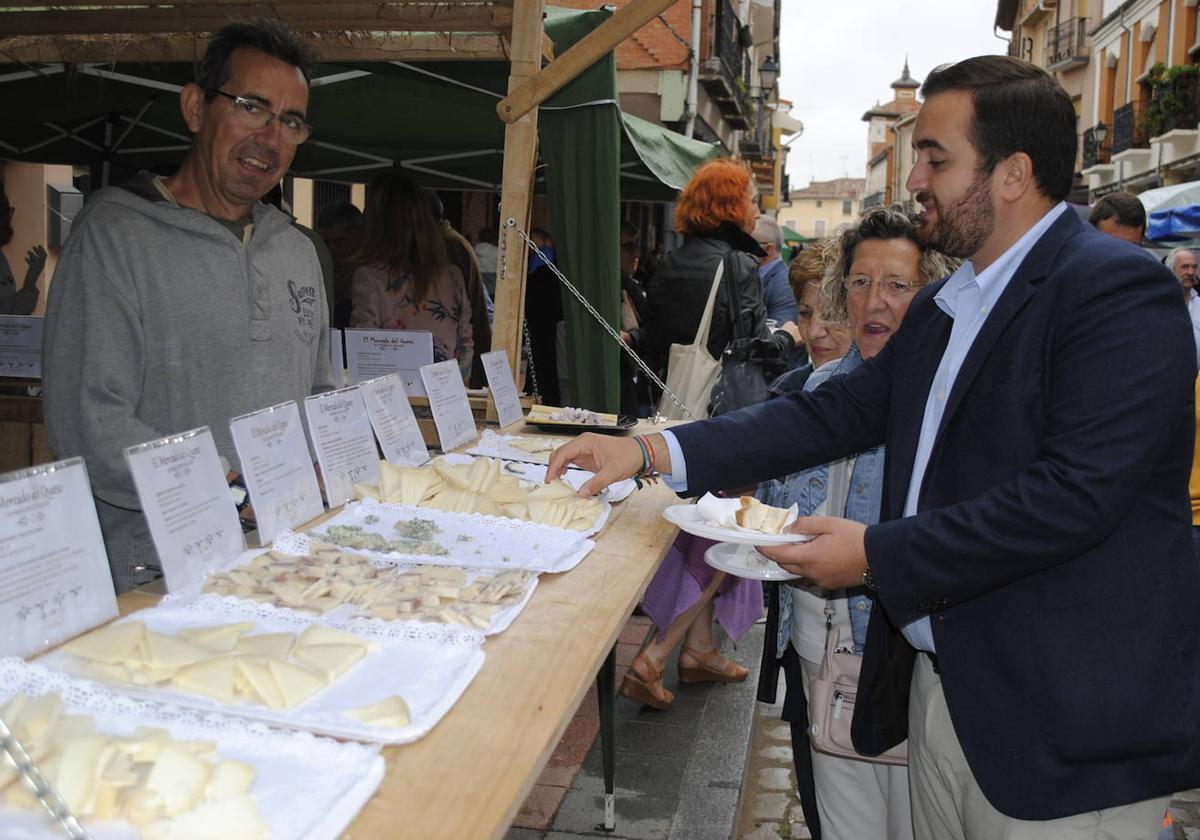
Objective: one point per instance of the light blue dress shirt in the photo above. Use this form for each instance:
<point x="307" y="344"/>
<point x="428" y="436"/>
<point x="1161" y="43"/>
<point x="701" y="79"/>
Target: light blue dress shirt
<point x="968" y="298"/>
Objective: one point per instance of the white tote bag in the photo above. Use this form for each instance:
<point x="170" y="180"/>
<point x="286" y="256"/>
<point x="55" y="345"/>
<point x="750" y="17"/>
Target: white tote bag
<point x="691" y="371"/>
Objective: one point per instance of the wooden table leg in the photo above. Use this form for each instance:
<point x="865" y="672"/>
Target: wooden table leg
<point x="606" y="681"/>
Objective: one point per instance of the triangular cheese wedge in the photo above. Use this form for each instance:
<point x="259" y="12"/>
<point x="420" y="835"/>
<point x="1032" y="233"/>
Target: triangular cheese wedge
<point x="390" y="712"/>
<point x="331" y="660"/>
<point x="114" y="643"/>
<point x="296" y="684"/>
<point x="274" y="645"/>
<point x="212" y="679"/>
<point x="163" y="651"/>
<point x="557" y="489"/>
<point x="220" y="637"/>
<point x="258" y="676"/>
<point x="319" y="634"/>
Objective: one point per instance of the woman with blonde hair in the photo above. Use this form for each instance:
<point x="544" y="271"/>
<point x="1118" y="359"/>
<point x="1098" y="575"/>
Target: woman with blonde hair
<point x="874" y="270"/>
<point x="404" y="280"/>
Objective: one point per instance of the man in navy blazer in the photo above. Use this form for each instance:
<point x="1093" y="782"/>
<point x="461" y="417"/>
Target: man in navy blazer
<point x="1036" y="633"/>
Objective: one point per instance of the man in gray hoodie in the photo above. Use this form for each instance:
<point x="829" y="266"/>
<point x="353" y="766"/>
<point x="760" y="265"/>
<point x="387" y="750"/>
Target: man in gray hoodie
<point x="185" y="301"/>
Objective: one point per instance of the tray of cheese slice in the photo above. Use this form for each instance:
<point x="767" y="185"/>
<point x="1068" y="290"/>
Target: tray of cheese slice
<point x="389" y="683"/>
<point x="132" y="768"/>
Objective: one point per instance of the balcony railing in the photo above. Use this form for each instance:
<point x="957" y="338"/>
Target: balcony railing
<point x="1094" y="151"/>
<point x="1129" y="128"/>
<point x="1067" y="43"/>
<point x="725" y="74"/>
<point x="1173" y="104"/>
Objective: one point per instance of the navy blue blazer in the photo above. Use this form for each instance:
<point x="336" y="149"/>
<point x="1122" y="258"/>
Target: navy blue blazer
<point x="1052" y="544"/>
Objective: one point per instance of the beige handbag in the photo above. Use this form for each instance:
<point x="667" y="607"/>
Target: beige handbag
<point x="831" y="696"/>
<point x="691" y="371"/>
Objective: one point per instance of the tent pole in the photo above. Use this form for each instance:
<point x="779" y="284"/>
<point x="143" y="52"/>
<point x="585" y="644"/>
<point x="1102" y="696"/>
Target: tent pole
<point x="520" y="155"/>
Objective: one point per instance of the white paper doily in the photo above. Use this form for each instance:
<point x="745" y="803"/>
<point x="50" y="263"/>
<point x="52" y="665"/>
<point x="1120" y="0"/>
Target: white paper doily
<point x="306" y="787"/>
<point x="487" y="542"/>
<point x="346" y="615"/>
<point x="429" y="665"/>
<point x="495" y="444"/>
<point x="616" y="492"/>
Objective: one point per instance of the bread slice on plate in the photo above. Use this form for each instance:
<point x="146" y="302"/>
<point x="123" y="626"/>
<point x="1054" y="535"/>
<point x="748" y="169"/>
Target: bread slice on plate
<point x="756" y="516"/>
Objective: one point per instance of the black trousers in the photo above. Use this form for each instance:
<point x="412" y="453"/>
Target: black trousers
<point x="795" y="706"/>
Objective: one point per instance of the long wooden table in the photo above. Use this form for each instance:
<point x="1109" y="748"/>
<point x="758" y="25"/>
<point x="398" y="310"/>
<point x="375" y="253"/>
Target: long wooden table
<point x="467" y="778"/>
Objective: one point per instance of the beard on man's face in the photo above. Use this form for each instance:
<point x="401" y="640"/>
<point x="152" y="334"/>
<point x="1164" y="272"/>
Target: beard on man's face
<point x="961" y="228"/>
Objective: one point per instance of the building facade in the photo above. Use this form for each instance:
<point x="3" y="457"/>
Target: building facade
<point x="820" y="208"/>
<point x="883" y="164"/>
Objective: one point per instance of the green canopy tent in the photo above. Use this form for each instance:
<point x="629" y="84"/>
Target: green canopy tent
<point x="436" y="120"/>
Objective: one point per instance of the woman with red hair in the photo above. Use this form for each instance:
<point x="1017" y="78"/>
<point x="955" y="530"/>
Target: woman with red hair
<point x="716" y="213"/>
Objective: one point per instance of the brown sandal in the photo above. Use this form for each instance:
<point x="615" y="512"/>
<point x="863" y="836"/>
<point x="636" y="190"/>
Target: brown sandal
<point x="712" y="668"/>
<point x="650" y="691"/>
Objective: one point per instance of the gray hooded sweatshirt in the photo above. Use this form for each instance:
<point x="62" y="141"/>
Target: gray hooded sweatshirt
<point x="160" y="319"/>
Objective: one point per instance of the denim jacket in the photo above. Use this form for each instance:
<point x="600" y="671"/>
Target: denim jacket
<point x="807" y="490"/>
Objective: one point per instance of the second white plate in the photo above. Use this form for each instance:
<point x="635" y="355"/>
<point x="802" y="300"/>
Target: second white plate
<point x="744" y="562"/>
<point x="688" y="518"/>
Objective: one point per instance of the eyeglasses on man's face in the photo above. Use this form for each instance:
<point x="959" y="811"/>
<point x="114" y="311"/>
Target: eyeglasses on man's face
<point x="629" y="247"/>
<point x="893" y="289"/>
<point x="254" y="114"/>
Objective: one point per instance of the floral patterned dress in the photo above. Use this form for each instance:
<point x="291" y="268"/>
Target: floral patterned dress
<point x="446" y="311"/>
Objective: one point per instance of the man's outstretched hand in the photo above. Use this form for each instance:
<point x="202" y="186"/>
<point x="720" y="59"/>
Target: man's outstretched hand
<point x="612" y="459"/>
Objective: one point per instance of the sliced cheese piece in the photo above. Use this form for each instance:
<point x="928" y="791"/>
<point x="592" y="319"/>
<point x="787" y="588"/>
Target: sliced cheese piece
<point x="319" y="634"/>
<point x="229" y="819"/>
<point x="258" y="676"/>
<point x="230" y="779"/>
<point x="220" y="637"/>
<point x="179" y="778"/>
<point x="390" y="712"/>
<point x="212" y="679"/>
<point x="274" y="645"/>
<point x="296" y="684"/>
<point x="756" y="516"/>
<point x="163" y="651"/>
<point x="113" y="643"/>
<point x="76" y="778"/>
<point x="331" y="660"/>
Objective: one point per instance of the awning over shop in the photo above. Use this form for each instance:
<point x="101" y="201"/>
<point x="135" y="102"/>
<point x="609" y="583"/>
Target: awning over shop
<point x="435" y="120"/>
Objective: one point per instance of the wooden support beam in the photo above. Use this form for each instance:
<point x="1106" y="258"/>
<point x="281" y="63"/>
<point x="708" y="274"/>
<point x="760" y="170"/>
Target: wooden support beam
<point x="586" y="52"/>
<point x="308" y="16"/>
<point x="360" y="46"/>
<point x="520" y="156"/>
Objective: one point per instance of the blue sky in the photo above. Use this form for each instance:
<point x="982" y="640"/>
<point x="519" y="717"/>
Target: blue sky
<point x="838" y="58"/>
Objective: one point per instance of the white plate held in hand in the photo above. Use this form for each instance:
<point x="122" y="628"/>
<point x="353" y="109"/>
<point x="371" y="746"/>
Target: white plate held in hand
<point x="744" y="562"/>
<point x="688" y="518"/>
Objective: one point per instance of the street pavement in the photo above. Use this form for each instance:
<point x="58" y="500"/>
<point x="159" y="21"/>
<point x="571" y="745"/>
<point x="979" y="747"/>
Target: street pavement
<point x="716" y="766"/>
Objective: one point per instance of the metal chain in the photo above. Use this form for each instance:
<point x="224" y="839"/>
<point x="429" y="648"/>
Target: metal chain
<point x="15" y="753"/>
<point x="527" y="348"/>
<point x="608" y="328"/>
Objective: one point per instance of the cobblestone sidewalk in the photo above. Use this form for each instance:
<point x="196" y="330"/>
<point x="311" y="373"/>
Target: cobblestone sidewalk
<point x="770" y="808"/>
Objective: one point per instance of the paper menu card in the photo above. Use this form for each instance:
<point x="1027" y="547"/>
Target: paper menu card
<point x="393" y="420"/>
<point x="448" y="401"/>
<point x="54" y="576"/>
<point x="372" y="353"/>
<point x="21" y="346"/>
<point x="341" y="433"/>
<point x="185" y="497"/>
<point x="503" y="387"/>
<point x="278" y="468"/>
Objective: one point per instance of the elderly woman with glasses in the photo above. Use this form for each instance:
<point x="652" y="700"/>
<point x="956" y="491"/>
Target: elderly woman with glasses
<point x="874" y="272"/>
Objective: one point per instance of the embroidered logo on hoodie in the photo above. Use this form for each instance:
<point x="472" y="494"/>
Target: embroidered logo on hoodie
<point x="302" y="300"/>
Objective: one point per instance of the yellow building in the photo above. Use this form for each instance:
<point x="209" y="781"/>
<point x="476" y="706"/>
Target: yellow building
<point x="818" y="209"/>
